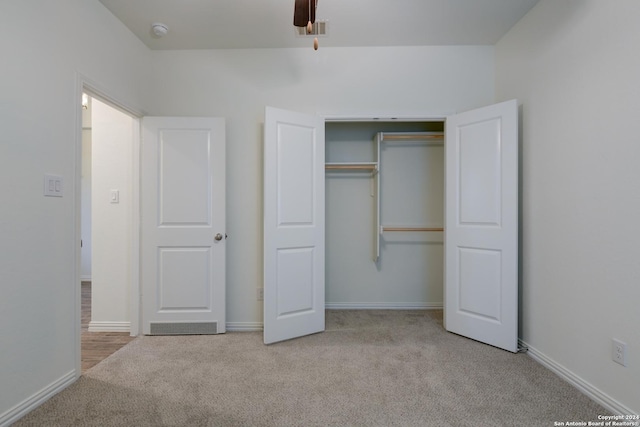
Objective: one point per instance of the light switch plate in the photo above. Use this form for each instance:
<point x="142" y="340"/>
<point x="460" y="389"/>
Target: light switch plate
<point x="115" y="196"/>
<point x="53" y="185"/>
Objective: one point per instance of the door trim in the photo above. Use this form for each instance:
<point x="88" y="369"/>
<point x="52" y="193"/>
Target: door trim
<point x="85" y="85"/>
<point x="386" y="117"/>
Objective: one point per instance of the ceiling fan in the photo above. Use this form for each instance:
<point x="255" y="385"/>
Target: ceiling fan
<point x="304" y="15"/>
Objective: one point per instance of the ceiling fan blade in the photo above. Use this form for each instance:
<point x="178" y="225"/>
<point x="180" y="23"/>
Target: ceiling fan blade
<point x="301" y="13"/>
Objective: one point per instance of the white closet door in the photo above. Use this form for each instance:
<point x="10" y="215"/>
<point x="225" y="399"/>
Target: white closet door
<point x="481" y="242"/>
<point x="183" y="225"/>
<point x="293" y="225"/>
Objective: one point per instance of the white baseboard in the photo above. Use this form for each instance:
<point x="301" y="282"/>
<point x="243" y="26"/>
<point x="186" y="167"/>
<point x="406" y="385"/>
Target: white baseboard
<point x="244" y="326"/>
<point x="102" y="326"/>
<point x="585" y="387"/>
<point x="383" y="305"/>
<point x="28" y="405"/>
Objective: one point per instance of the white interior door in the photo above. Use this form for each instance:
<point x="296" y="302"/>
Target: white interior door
<point x="481" y="239"/>
<point x="293" y="225"/>
<point x="183" y="225"/>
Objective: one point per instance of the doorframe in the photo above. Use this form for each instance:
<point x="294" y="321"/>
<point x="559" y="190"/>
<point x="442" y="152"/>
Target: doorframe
<point x="368" y="118"/>
<point x="386" y="117"/>
<point x="95" y="90"/>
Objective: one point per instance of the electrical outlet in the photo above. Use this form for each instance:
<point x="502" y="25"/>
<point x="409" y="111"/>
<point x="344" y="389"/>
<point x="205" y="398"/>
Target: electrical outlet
<point x="260" y="294"/>
<point x="619" y="352"/>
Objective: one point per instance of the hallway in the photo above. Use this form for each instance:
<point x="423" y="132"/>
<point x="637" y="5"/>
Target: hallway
<point x="97" y="346"/>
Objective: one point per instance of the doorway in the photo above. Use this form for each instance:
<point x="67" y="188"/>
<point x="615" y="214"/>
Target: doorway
<point x="480" y="236"/>
<point x="367" y="269"/>
<point x="107" y="229"/>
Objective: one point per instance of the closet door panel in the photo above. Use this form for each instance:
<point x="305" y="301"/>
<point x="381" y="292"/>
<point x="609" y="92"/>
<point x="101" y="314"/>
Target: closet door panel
<point x="294" y="282"/>
<point x="295" y="175"/>
<point x="480" y="190"/>
<point x="294" y="247"/>
<point x="481" y="238"/>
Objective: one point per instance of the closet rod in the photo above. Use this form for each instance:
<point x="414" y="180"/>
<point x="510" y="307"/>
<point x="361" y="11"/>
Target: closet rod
<point x="365" y="167"/>
<point x="383" y="229"/>
<point x="410" y="137"/>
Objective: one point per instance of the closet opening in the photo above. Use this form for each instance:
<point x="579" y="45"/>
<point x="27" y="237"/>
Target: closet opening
<point x="384" y="214"/>
<point x="356" y="224"/>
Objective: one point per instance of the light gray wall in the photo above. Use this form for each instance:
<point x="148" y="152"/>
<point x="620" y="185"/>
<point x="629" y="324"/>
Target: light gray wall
<point x="238" y="84"/>
<point x="85" y="194"/>
<point x="112" y="225"/>
<point x="574" y="67"/>
<point x="44" y="46"/>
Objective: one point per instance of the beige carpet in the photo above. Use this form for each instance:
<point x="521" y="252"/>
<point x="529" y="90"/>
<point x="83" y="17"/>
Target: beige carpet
<point x="370" y="368"/>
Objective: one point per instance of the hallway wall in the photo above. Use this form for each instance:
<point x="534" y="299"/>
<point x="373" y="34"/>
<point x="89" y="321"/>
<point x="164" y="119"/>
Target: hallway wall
<point x="112" y="223"/>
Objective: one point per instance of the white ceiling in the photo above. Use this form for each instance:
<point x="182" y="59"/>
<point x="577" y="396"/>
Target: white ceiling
<point x="239" y="24"/>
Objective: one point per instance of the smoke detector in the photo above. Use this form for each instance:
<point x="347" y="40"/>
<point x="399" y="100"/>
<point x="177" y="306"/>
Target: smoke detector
<point x="159" y="29"/>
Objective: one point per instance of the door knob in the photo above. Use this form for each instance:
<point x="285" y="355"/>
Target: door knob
<point x="218" y="237"/>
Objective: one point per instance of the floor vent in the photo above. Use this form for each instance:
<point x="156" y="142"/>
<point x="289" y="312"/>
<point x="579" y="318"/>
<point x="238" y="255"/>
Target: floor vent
<point x="319" y="28"/>
<point x="193" y="328"/>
